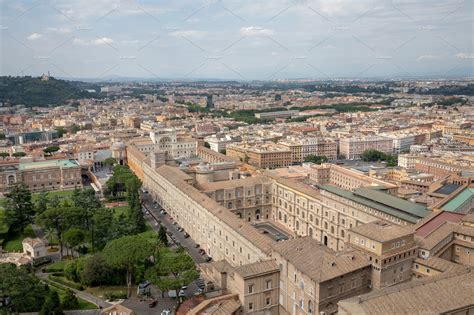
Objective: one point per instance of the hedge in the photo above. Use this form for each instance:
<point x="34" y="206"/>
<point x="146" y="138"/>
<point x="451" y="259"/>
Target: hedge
<point x="66" y="282"/>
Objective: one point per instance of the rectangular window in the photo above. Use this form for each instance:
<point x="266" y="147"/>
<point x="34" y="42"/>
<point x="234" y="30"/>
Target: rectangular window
<point x="251" y="288"/>
<point x="268" y="284"/>
<point x="268" y="301"/>
<point x="250" y="306"/>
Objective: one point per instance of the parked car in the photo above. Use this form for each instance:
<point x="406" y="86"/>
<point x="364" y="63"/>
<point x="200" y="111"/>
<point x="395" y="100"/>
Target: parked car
<point x="181" y="293"/>
<point x="166" y="312"/>
<point x="202" y="251"/>
<point x="208" y="259"/>
<point x="196" y="245"/>
<point x="186" y="235"/>
<point x="184" y="287"/>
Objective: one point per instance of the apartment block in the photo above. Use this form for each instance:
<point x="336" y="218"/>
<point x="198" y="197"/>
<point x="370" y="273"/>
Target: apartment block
<point x="353" y="148"/>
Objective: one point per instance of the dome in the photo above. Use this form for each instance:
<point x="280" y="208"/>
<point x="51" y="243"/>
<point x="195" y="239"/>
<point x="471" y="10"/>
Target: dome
<point x="118" y="146"/>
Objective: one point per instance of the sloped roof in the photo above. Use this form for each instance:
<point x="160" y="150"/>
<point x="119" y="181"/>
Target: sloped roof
<point x="318" y="261"/>
<point x="431" y="295"/>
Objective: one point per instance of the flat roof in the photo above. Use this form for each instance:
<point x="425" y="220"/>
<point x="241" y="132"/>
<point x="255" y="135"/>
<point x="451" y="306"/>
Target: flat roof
<point x="381" y="201"/>
<point x="454" y="204"/>
<point x="47" y="164"/>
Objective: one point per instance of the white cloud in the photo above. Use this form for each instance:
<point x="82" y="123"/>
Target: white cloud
<point x="465" y="56"/>
<point x="189" y="33"/>
<point x="428" y="57"/>
<point x="94" y="42"/>
<point x="34" y="36"/>
<point x="58" y="30"/>
<point x="255" y="31"/>
<point x="102" y="41"/>
<point x="130" y="42"/>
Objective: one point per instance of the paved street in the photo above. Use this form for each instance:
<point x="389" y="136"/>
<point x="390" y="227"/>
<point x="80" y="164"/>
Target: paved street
<point x="187" y="243"/>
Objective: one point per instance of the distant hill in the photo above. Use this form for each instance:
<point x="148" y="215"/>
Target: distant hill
<point x="33" y="91"/>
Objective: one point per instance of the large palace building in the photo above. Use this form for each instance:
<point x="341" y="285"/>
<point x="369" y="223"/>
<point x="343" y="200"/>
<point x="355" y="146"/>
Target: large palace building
<point x="293" y="245"/>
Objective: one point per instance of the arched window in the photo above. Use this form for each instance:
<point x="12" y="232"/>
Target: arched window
<point x="257" y="214"/>
<point x="310" y="232"/>
<point x="279" y="215"/>
<point x="311" y="217"/>
<point x="297" y="225"/>
<point x="285" y="218"/>
<point x="342" y="233"/>
<point x="325" y="225"/>
<point x="11" y="179"/>
<point x="332" y="229"/>
<point x="229" y="205"/>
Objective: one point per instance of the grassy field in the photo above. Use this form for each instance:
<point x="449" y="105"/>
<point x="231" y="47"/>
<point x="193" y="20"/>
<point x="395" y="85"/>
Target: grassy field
<point x="13" y="241"/>
<point x="120" y="210"/>
<point x="63" y="194"/>
<point x="3" y="224"/>
<point x="100" y="291"/>
<point x="58" y="265"/>
<point x="83" y="304"/>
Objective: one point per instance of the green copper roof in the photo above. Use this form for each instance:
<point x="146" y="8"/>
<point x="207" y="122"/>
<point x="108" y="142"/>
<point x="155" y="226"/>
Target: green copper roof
<point x="46" y="164"/>
<point x="455" y="204"/>
<point x="386" y="203"/>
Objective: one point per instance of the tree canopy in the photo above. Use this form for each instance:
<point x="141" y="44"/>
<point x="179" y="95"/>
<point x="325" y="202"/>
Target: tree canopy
<point x="19" y="209"/>
<point x="128" y="252"/>
<point x="173" y="269"/>
<point x="375" y="155"/>
<point x="317" y="159"/>
<point x="25" y="291"/>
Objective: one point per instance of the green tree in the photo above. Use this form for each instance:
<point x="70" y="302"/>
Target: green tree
<point x="96" y="271"/>
<point x="128" y="252"/>
<point x="61" y="131"/>
<point x="19" y="154"/>
<point x="73" y="238"/>
<point x="49" y="234"/>
<point x="317" y="159"/>
<point x="52" y="305"/>
<point x="4" y="155"/>
<point x="59" y="218"/>
<point x="135" y="214"/>
<point x="74" y="129"/>
<point x="223" y="151"/>
<point x="19" y="210"/>
<point x="51" y="149"/>
<point x="173" y="269"/>
<point x="110" y="162"/>
<point x="207" y="145"/>
<point x="70" y="301"/>
<point x="162" y="236"/>
<point x="41" y="204"/>
<point x="25" y="291"/>
<point x="87" y="201"/>
<point x="104" y="227"/>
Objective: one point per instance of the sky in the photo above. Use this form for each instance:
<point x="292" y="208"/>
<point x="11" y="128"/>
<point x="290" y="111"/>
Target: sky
<point x="238" y="40"/>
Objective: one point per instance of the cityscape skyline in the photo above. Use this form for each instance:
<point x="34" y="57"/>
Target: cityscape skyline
<point x="233" y="40"/>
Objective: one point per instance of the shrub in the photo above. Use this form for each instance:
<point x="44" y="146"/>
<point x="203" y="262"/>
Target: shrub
<point x="65" y="282"/>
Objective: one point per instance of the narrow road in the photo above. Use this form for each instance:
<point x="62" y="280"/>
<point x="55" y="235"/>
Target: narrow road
<point x="187" y="243"/>
<point x="83" y="295"/>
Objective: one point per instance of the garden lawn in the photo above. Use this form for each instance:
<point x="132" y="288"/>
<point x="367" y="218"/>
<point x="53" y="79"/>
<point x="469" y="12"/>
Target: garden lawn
<point x="101" y="291"/>
<point x="83" y="304"/>
<point x="63" y="194"/>
<point x="3" y="224"/>
<point x="13" y="240"/>
<point x="56" y="266"/>
<point x="120" y="210"/>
